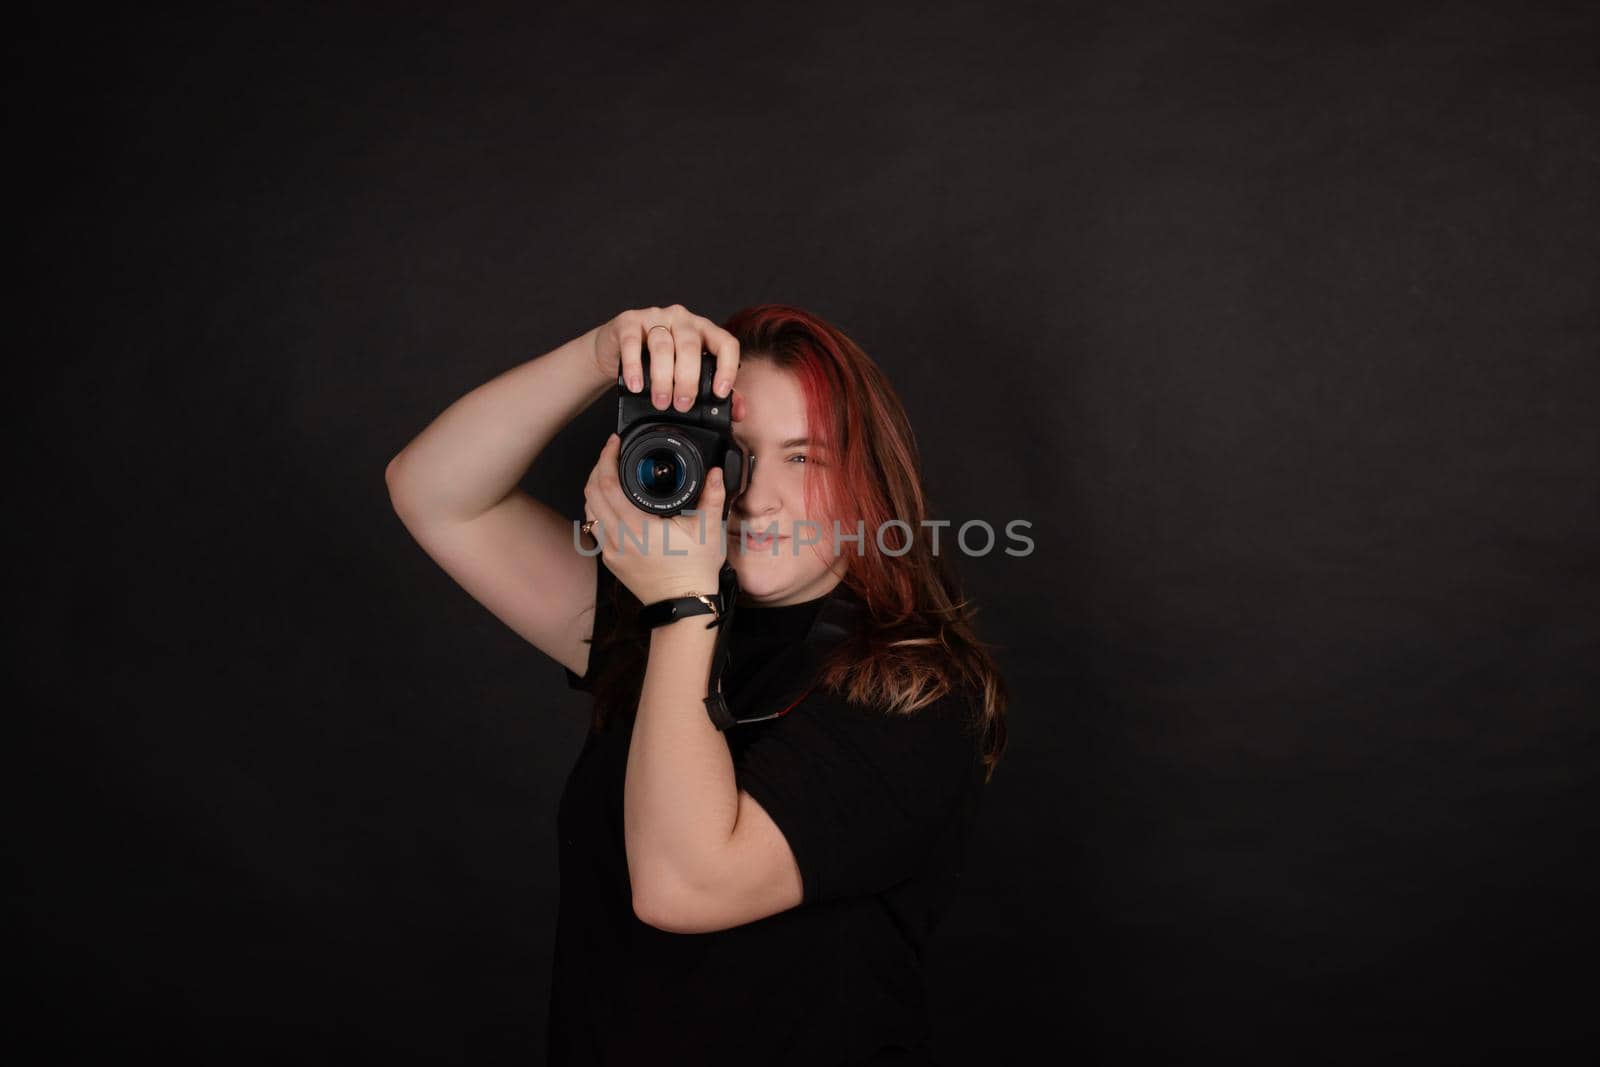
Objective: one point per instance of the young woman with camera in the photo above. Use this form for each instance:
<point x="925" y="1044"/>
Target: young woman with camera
<point x="761" y="888"/>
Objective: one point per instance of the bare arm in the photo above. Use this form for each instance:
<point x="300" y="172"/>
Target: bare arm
<point x="456" y="489"/>
<point x="703" y="855"/>
<point x="456" y="485"/>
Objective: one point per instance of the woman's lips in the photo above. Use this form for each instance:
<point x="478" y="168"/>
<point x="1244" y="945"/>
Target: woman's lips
<point x="760" y="542"/>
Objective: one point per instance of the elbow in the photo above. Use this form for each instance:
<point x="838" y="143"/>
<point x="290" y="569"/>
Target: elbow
<point x="650" y="909"/>
<point x="391" y="475"/>
<point x="391" y="482"/>
<point x="668" y="911"/>
<point x="645" y="910"/>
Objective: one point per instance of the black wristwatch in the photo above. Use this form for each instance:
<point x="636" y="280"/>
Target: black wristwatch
<point x="664" y="611"/>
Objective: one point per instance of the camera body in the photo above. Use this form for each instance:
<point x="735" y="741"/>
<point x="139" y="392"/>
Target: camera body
<point x="665" y="456"/>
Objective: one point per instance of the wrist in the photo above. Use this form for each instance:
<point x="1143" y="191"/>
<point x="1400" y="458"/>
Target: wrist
<point x="687" y="600"/>
<point x="684" y="643"/>
<point x="704" y="623"/>
<point x="651" y="594"/>
<point x="606" y="367"/>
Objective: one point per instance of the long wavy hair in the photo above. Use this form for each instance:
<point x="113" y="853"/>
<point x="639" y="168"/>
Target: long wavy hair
<point x="921" y="644"/>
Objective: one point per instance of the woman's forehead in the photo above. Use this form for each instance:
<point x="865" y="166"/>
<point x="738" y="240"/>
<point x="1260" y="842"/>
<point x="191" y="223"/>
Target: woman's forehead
<point x="778" y="434"/>
<point x="774" y="406"/>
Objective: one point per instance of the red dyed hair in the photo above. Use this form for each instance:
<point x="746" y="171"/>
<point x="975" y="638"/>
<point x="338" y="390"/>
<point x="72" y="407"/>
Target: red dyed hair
<point x="921" y="644"/>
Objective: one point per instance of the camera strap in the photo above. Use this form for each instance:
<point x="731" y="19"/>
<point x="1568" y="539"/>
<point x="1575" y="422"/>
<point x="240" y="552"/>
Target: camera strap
<point x="728" y="590"/>
<point x="790" y="675"/>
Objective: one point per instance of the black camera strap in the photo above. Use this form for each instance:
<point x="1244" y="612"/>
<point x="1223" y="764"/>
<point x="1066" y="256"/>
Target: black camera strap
<point x="784" y="680"/>
<point x="728" y="590"/>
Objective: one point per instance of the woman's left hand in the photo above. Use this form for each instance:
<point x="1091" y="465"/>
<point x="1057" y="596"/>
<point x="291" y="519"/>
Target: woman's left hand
<point x="696" y="543"/>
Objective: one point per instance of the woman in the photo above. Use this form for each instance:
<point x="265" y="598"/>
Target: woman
<point x="760" y="894"/>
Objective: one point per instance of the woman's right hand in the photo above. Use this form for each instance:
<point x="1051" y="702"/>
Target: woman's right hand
<point x="674" y="356"/>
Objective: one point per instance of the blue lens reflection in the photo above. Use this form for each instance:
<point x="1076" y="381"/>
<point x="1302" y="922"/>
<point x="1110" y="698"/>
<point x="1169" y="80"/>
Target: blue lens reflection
<point x="662" y="472"/>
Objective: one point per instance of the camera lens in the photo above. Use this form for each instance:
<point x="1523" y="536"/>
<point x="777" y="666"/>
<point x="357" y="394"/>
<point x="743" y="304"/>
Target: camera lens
<point x="661" y="473"/>
<point x="661" y="469"/>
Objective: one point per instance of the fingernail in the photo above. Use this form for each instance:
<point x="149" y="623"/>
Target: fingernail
<point x="720" y="387"/>
<point x="633" y="383"/>
<point x="660" y="399"/>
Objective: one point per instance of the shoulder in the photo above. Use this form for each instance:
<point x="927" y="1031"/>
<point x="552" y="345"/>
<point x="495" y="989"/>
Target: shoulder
<point x="953" y="711"/>
<point x="863" y="795"/>
<point x="934" y="746"/>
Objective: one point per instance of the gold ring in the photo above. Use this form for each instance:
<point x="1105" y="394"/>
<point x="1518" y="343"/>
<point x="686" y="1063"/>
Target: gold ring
<point x="658" y="326"/>
<point x="588" y="527"/>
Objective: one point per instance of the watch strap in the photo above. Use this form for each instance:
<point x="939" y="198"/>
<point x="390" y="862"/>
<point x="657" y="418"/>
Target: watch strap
<point x="672" y="609"/>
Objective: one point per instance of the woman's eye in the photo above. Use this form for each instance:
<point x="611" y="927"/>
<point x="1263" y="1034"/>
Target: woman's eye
<point x="795" y="457"/>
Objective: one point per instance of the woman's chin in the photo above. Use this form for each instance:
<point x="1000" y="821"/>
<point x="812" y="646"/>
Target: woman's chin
<point x="762" y="577"/>
<point x="753" y="576"/>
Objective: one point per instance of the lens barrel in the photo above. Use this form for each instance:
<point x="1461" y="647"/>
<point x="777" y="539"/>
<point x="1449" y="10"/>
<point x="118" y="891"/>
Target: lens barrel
<point x="662" y="471"/>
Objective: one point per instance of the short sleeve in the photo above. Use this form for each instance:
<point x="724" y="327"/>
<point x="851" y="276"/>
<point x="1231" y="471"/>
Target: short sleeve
<point x="862" y="796"/>
<point x="605" y="615"/>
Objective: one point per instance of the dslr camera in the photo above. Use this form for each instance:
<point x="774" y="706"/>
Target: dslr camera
<point x="665" y="456"/>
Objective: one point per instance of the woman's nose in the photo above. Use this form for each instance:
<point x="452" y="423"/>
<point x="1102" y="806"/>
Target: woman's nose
<point x="755" y="500"/>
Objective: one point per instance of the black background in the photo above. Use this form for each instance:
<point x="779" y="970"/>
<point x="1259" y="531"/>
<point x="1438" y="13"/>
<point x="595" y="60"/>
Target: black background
<point x="1277" y="320"/>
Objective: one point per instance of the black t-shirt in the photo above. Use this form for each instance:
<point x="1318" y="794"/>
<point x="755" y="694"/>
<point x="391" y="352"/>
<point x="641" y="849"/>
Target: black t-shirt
<point x="878" y="810"/>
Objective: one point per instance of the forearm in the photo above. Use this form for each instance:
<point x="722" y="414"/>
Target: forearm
<point x="680" y="798"/>
<point x="479" y="448"/>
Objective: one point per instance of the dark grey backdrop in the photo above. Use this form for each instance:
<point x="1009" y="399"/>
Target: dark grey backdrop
<point x="1278" y="320"/>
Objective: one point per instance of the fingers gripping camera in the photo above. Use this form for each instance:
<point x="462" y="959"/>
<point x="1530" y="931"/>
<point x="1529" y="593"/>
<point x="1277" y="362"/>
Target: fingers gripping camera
<point x="665" y="456"/>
